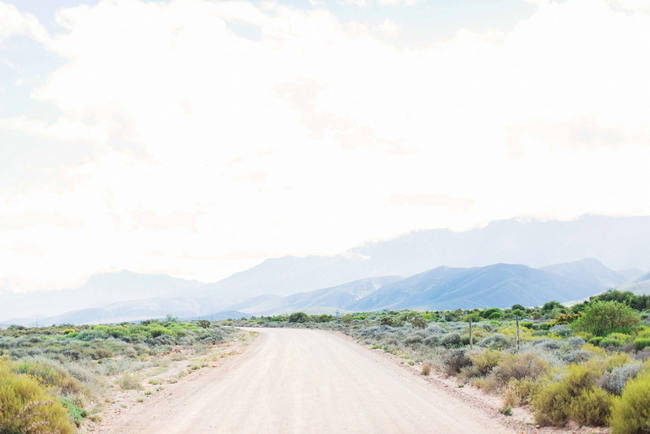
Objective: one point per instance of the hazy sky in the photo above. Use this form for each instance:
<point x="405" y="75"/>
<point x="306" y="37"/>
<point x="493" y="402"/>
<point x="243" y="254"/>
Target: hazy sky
<point x="197" y="137"/>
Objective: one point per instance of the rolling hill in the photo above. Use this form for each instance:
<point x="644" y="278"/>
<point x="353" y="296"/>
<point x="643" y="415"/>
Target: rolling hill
<point x="327" y="300"/>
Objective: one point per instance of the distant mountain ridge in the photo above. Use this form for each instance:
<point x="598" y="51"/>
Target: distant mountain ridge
<point x="326" y="300"/>
<point x="99" y="290"/>
<point x="619" y="242"/>
<point x="496" y="285"/>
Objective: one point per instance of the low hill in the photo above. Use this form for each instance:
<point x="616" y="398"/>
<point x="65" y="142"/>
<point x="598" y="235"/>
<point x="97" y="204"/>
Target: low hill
<point x="328" y="300"/>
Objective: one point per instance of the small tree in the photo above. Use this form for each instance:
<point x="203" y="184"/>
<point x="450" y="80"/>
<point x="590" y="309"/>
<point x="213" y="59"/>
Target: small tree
<point x="604" y="317"/>
<point x="549" y="306"/>
<point x="298" y="317"/>
<point x="203" y="323"/>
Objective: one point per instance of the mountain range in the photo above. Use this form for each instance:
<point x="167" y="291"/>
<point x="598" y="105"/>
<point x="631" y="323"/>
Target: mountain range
<point x="525" y="260"/>
<point x="497" y="285"/>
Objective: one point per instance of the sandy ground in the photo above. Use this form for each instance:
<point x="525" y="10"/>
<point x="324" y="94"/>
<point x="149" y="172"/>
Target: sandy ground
<point x="295" y="380"/>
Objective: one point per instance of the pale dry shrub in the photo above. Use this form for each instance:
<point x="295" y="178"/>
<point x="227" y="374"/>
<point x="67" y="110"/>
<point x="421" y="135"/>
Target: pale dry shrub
<point x="519" y="392"/>
<point x="521" y="366"/>
<point x="129" y="381"/>
<point x="615" y="380"/>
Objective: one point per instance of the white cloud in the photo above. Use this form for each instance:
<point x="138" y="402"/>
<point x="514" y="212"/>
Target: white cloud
<point x="306" y="134"/>
<point x="398" y="2"/>
<point x="13" y="22"/>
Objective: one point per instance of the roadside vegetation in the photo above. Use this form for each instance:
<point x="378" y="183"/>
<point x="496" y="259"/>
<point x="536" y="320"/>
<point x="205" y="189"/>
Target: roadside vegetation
<point x="54" y="379"/>
<point x="588" y="363"/>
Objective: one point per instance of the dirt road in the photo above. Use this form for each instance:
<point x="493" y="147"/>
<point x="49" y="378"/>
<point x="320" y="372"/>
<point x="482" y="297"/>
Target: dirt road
<point x="305" y="381"/>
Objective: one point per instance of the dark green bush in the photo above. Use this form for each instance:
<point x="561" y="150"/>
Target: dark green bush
<point x="299" y="317"/>
<point x="203" y="323"/>
<point x="596" y="340"/>
<point x="641" y="343"/>
<point x="601" y="318"/>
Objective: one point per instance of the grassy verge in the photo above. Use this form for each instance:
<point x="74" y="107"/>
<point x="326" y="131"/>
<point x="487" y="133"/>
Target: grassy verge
<point x="67" y="374"/>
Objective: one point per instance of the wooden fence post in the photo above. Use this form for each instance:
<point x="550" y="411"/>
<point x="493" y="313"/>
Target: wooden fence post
<point x="517" y="319"/>
<point x="470" y="332"/>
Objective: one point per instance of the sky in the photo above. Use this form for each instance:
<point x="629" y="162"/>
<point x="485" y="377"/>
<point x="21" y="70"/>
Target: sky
<point x="199" y="137"/>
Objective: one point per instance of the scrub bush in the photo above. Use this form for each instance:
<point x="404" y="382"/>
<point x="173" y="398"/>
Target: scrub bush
<point x="456" y="360"/>
<point x="574" y="397"/>
<point x="519" y="392"/>
<point x="26" y="406"/>
<point x="631" y="413"/>
<point x="615" y="380"/>
<point x="451" y="340"/>
<point x="485" y="361"/>
<point x="592" y="407"/>
<point x="551" y="404"/>
<point x="496" y="342"/>
<point x="520" y="366"/>
<point x="601" y="318"/>
<point x="641" y="343"/>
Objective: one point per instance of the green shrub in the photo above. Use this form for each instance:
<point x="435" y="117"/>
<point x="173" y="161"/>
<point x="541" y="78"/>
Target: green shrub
<point x="485" y="361"/>
<point x="641" y="343"/>
<point x="299" y="317"/>
<point x="591" y="407"/>
<point x="604" y="317"/>
<point x="631" y="413"/>
<point x="75" y="411"/>
<point x="551" y="403"/>
<point x="325" y="318"/>
<point x="579" y="378"/>
<point x="203" y="323"/>
<point x="155" y="331"/>
<point x="26" y="407"/>
<point x="596" y="340"/>
<point x="611" y="343"/>
<point x="506" y="411"/>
